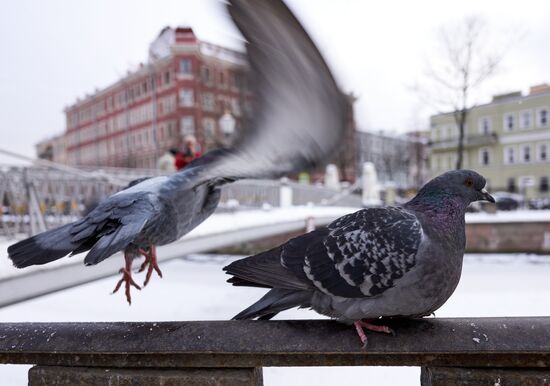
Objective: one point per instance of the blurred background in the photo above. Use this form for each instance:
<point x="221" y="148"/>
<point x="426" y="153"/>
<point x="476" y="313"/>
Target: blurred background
<point x="96" y="94"/>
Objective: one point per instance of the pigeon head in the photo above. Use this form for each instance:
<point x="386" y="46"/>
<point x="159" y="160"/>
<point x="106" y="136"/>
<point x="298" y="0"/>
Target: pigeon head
<point x="460" y="186"/>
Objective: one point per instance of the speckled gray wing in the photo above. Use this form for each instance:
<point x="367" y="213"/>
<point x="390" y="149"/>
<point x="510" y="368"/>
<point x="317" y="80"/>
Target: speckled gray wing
<point x="361" y="254"/>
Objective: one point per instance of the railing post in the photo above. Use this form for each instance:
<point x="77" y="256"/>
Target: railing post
<point x="96" y="376"/>
<point x="469" y="376"/>
<point x="285" y="195"/>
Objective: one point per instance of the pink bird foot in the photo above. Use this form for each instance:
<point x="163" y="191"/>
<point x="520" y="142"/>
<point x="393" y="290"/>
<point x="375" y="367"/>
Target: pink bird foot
<point x="127" y="277"/>
<point x="150" y="263"/>
<point x="360" y="324"/>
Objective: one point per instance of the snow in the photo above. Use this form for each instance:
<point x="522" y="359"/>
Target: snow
<point x="509" y="216"/>
<point x="491" y="285"/>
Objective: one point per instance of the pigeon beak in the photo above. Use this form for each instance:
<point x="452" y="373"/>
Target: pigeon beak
<point x="486" y="196"/>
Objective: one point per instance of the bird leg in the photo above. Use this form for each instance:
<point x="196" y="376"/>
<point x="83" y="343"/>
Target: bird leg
<point x="127" y="277"/>
<point x="360" y="324"/>
<point x="150" y="263"/>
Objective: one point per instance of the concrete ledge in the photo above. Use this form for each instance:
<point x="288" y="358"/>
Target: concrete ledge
<point x="86" y="376"/>
<point x="462" y="342"/>
<point x="455" y="376"/>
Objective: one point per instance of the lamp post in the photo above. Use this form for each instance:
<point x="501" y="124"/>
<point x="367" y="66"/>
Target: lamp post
<point x="227" y="125"/>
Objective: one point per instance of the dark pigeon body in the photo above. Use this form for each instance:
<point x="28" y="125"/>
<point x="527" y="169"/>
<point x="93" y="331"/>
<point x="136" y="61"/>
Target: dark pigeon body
<point x="378" y="262"/>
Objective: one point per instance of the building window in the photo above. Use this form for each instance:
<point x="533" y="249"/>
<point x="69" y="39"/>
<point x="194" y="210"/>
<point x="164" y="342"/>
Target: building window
<point x="484" y="125"/>
<point x="443" y="133"/>
<point x="511" y="185"/>
<point x="186" y="67"/>
<point x="543" y="184"/>
<point x="484" y="157"/>
<point x="236" y="107"/>
<point x="209" y="126"/>
<point x="509" y="121"/>
<point x="238" y="81"/>
<point x="525" y="119"/>
<point x="186" y="97"/>
<point x="167" y="78"/>
<point x="453" y="131"/>
<point x="509" y="155"/>
<point x="208" y="102"/>
<point x="205" y="74"/>
<point x="542" y="117"/>
<point x="443" y="163"/>
<point x="543" y="152"/>
<point x="187" y="126"/>
<point x="526" y="153"/>
<point x="434" y="134"/>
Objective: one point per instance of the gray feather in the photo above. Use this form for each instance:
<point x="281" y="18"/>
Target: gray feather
<point x="275" y="301"/>
<point x="299" y="111"/>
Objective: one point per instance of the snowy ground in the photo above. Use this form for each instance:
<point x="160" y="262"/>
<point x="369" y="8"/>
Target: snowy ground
<point x="509" y="216"/>
<point x="492" y="285"/>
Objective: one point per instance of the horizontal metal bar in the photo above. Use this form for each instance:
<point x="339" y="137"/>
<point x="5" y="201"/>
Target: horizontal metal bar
<point x="461" y="342"/>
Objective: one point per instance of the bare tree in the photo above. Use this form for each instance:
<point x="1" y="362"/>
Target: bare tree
<point x="466" y="60"/>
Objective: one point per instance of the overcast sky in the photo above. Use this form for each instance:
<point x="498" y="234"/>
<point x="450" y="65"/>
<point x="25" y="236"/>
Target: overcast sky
<point x="55" y="51"/>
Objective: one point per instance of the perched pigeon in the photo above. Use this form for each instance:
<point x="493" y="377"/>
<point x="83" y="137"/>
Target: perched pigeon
<point x="377" y="262"/>
<point x="299" y="120"/>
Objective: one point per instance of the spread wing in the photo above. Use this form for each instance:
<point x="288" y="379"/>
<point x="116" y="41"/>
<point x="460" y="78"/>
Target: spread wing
<point x="299" y="111"/>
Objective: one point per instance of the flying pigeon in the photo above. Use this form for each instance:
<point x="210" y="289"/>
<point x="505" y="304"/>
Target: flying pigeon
<point x="298" y="122"/>
<point x="377" y="262"/>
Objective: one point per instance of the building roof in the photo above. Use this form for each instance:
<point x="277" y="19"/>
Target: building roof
<point x="535" y="91"/>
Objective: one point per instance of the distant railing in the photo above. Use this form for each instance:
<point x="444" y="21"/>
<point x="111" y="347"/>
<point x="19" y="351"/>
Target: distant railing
<point x="37" y="198"/>
<point x="255" y="193"/>
<point x="461" y="351"/>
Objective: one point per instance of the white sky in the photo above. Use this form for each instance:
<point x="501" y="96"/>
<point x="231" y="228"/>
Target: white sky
<point x="55" y="51"/>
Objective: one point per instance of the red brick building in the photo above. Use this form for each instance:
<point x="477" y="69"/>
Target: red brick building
<point x="188" y="87"/>
<point x="184" y="89"/>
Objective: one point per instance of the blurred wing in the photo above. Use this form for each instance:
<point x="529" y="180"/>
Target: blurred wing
<point x="299" y="111"/>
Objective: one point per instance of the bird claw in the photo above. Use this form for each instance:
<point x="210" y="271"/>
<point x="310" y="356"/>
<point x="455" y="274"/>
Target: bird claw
<point x="360" y="324"/>
<point x="129" y="281"/>
<point x="150" y="263"/>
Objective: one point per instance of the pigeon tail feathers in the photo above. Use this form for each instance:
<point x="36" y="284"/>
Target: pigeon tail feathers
<point x="264" y="270"/>
<point x="275" y="301"/>
<point x="42" y="248"/>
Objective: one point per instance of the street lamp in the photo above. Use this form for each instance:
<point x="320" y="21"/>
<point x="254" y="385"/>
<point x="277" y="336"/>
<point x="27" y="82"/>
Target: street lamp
<point x="227" y="125"/>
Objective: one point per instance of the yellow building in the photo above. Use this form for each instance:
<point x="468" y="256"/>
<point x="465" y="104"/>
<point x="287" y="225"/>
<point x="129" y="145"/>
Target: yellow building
<point x="507" y="141"/>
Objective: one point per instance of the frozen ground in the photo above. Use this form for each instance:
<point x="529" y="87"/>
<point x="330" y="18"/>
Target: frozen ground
<point x="492" y="285"/>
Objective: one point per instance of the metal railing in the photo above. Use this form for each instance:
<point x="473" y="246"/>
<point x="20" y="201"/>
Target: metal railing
<point x="460" y="351"/>
<point x="37" y="198"/>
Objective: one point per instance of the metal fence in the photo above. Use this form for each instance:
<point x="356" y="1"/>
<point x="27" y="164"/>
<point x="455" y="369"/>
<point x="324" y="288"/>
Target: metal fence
<point x="38" y="198"/>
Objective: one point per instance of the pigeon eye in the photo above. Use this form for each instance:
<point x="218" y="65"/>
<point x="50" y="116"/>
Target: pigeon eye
<point x="469" y="182"/>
